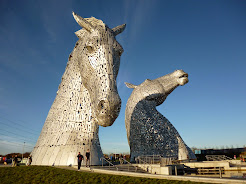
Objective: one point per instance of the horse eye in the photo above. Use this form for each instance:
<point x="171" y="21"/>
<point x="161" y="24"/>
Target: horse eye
<point x="89" y="49"/>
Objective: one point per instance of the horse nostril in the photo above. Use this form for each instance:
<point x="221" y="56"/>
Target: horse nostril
<point x="101" y="104"/>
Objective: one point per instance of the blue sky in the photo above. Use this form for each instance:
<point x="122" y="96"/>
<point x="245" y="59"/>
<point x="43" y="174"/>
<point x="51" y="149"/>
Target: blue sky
<point x="207" y="39"/>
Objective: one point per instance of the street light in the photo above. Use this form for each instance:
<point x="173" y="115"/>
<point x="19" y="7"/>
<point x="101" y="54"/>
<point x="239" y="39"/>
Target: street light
<point x="23" y="152"/>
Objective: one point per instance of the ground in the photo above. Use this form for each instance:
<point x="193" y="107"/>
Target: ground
<point x="44" y="174"/>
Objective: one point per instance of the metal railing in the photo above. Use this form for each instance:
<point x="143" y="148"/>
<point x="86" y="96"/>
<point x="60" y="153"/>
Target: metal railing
<point x="129" y="163"/>
<point x="211" y="171"/>
<point x="102" y="158"/>
<point x="144" y="163"/>
<point x="155" y="159"/>
<point x="217" y="157"/>
<point x="167" y="161"/>
<point x="150" y="159"/>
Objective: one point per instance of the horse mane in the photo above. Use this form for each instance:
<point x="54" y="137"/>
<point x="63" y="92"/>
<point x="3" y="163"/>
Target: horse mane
<point x="95" y="22"/>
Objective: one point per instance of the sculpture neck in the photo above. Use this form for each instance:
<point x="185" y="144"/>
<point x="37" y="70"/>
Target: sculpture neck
<point x="73" y="93"/>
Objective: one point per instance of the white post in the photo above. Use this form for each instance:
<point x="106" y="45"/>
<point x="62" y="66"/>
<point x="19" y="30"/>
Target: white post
<point x="115" y="150"/>
<point x="176" y="171"/>
<point x="220" y="172"/>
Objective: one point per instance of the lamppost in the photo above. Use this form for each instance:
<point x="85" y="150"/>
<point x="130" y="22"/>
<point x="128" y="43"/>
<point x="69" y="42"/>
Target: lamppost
<point x="115" y="152"/>
<point x="23" y="152"/>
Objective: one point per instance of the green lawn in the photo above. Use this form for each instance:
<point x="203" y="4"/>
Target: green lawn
<point x="43" y="174"/>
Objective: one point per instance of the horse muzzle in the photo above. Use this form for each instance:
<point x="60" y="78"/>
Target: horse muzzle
<point x="108" y="110"/>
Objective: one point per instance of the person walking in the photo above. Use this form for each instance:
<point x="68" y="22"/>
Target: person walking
<point x="80" y="158"/>
<point x="15" y="160"/>
<point x="121" y="159"/>
<point x="29" y="160"/>
<point x="87" y="155"/>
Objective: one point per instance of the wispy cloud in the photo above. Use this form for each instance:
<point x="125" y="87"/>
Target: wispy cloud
<point x="136" y="14"/>
<point x="123" y="77"/>
<point x="12" y="140"/>
<point x="53" y="18"/>
<point x="10" y="145"/>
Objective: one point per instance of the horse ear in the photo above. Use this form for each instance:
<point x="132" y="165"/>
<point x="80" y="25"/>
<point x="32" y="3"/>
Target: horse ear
<point x="83" y="23"/>
<point x="119" y="29"/>
<point x="129" y="85"/>
<point x="79" y="33"/>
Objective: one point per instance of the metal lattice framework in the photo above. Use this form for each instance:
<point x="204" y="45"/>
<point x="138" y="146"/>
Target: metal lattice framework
<point x="148" y="131"/>
<point x="86" y="98"/>
<point x="217" y="157"/>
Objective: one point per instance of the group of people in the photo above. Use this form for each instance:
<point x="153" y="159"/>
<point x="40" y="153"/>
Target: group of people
<point x="81" y="158"/>
<point x="15" y="160"/>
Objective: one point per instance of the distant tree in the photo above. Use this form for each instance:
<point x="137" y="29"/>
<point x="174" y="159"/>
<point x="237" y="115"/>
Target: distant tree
<point x="9" y="155"/>
<point x="106" y="156"/>
<point x="26" y="155"/>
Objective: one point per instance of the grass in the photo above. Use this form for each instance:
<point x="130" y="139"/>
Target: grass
<point x="44" y="174"/>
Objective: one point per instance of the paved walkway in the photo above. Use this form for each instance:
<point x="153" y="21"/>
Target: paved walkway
<point x="143" y="175"/>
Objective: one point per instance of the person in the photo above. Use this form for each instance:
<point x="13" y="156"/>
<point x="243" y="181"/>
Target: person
<point x="121" y="159"/>
<point x="5" y="160"/>
<point x="80" y="158"/>
<point x="29" y="160"/>
<point x="87" y="155"/>
<point x="15" y="160"/>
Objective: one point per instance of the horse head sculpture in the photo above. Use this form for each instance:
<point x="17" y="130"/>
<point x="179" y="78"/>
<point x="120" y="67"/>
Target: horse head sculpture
<point x="86" y="98"/>
<point x="148" y="131"/>
<point x="158" y="89"/>
<point x="98" y="55"/>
